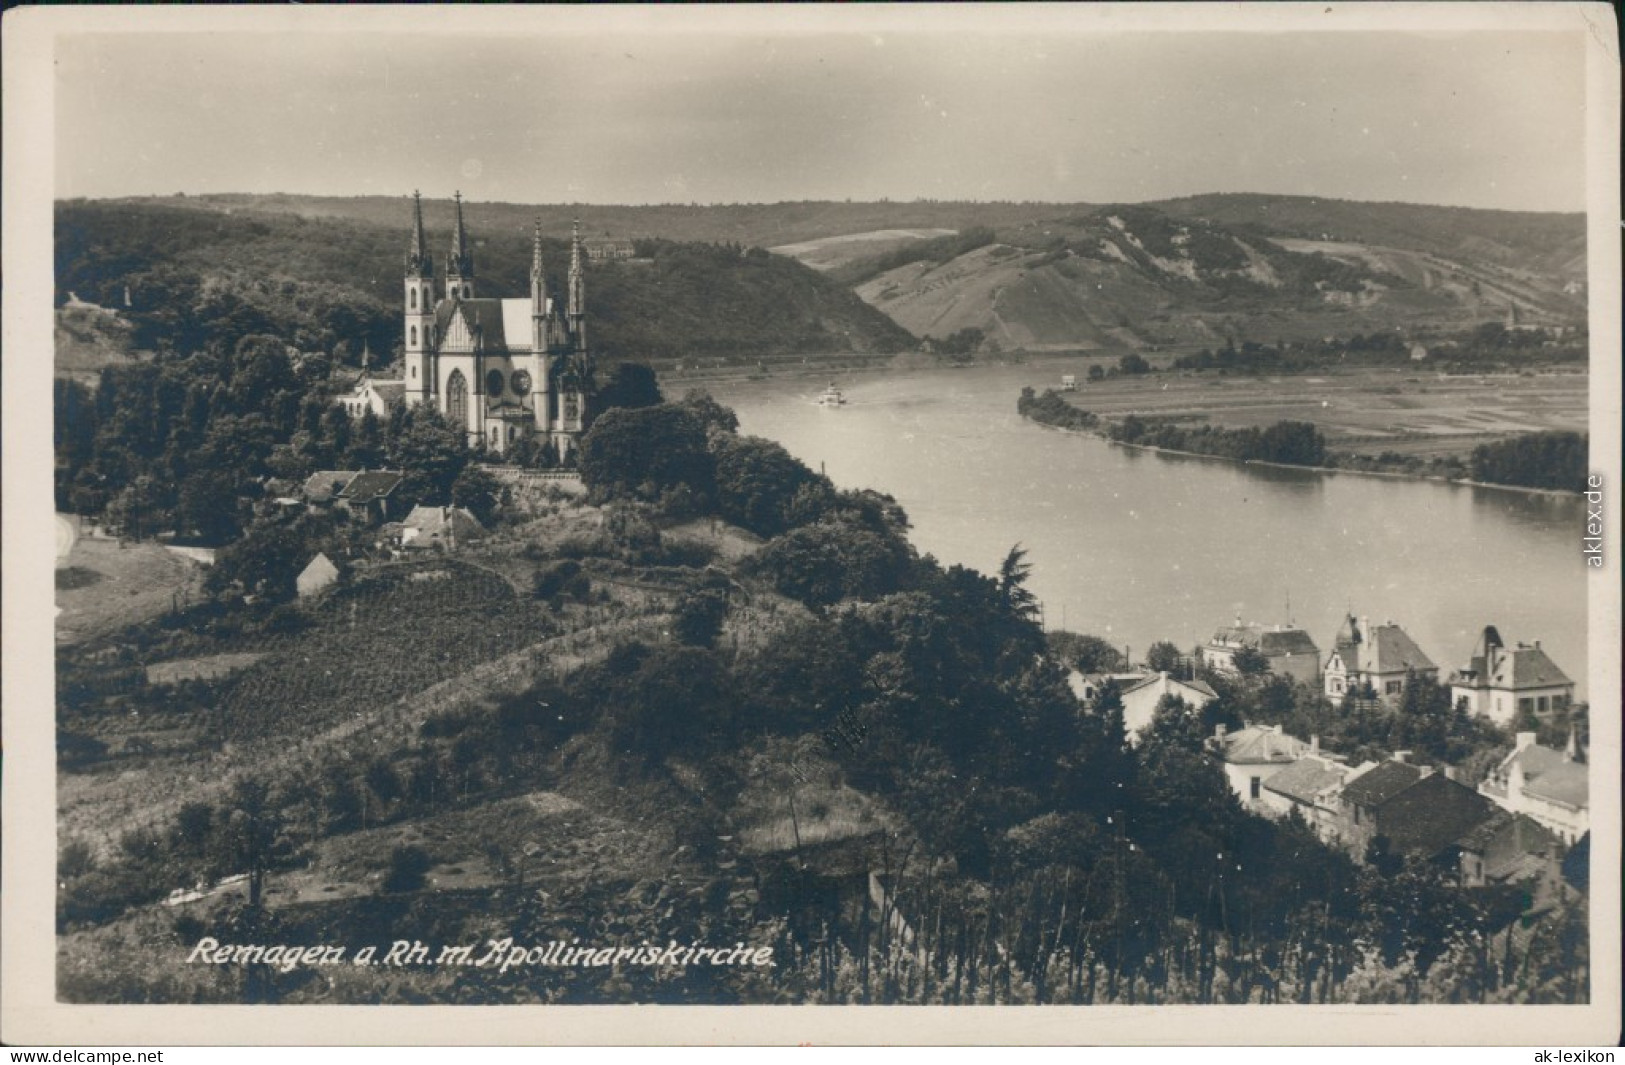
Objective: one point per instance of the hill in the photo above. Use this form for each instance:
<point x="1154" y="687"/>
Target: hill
<point x="1193" y="273"/>
<point x="198" y="275"/>
<point x="717" y="703"/>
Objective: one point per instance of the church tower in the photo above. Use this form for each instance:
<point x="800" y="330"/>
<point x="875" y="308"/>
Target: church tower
<point x="460" y="265"/>
<point x="419" y="310"/>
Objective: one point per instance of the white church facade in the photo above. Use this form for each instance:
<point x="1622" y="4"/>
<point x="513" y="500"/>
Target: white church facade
<point x="505" y="370"/>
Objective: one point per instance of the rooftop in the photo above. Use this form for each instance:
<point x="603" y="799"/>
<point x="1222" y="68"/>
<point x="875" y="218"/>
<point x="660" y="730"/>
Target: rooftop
<point x="1432" y="814"/>
<point x="1377" y="786"/>
<point x="1260" y="745"/>
<point x="322" y="485"/>
<point x="1307" y="779"/>
<point x="369" y="485"/>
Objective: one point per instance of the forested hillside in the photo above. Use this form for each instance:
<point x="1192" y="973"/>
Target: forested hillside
<point x="723" y="701"/>
<point x="188" y="279"/>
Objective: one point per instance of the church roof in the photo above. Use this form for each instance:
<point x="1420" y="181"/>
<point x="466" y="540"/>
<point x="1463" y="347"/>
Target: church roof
<point x="504" y="324"/>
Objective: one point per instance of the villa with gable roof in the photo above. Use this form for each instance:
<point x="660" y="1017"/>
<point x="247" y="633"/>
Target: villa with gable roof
<point x="1379" y="658"/>
<point x="1501" y="682"/>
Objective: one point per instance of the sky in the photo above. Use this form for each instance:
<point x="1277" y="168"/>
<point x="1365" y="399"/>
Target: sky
<point x="630" y="110"/>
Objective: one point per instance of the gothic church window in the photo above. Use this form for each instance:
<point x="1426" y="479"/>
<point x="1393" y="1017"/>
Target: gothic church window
<point x="414" y="299"/>
<point x="457" y="398"/>
<point x="414" y="336"/>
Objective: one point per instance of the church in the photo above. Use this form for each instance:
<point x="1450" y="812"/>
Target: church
<point x="505" y="370"/>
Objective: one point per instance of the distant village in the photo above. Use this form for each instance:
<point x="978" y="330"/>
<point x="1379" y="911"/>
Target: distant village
<point x="1523" y="824"/>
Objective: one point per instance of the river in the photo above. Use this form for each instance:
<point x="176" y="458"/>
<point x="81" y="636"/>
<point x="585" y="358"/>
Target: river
<point x="1135" y="546"/>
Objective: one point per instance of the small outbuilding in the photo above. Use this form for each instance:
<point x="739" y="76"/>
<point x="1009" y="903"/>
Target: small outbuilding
<point x="316" y="577"/>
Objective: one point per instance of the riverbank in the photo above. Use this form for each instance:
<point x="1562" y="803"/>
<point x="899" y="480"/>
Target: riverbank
<point x="1393" y="474"/>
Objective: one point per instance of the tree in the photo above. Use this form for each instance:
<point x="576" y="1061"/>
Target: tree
<point x="822" y="563"/>
<point x="762" y="487"/>
<point x="630" y="384"/>
<point x="1013" y="592"/>
<point x="710" y="414"/>
<point x="1132" y="363"/>
<point x="1086" y="654"/>
<point x="409" y="866"/>
<point x="1250" y="662"/>
<point x="477" y="490"/>
<point x="645" y="452"/>
<point x="1163" y="657"/>
<point x="699" y="615"/>
<point x="431" y="454"/>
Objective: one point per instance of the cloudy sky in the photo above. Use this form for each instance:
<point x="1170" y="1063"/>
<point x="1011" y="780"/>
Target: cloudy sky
<point x="627" y="108"/>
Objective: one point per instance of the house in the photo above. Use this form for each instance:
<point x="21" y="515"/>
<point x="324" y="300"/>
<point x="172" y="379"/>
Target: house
<point x="1419" y="352"/>
<point x="609" y="249"/>
<point x="367" y="495"/>
<point x="316" y="577"/>
<point x="1507" y="848"/>
<point x="1355" y="821"/>
<point x="1406" y="809"/>
<point x="1288" y="650"/>
<point x="1142" y="697"/>
<point x="1501" y="682"/>
<point x="1253" y="755"/>
<point x="322" y="486"/>
<point x="1087" y="686"/>
<point x="1310" y="786"/>
<point x="374" y="394"/>
<point x="1427" y="818"/>
<point x="429" y="527"/>
<point x="1552" y="787"/>
<point x="1375" y="657"/>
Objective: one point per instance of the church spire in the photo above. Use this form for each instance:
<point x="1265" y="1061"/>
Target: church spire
<point x="536" y="252"/>
<point x="419" y="263"/>
<point x="538" y="277"/>
<point x="460" y="267"/>
<point x="578" y="291"/>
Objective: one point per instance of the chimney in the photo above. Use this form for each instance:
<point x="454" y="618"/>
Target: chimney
<point x="1526" y="740"/>
<point x="1450" y="772"/>
<point x="1402" y="756"/>
<point x="1218" y="732"/>
<point x="1314" y="743"/>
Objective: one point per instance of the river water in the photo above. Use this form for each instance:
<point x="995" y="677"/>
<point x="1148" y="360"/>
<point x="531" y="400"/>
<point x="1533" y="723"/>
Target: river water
<point x="1135" y="546"/>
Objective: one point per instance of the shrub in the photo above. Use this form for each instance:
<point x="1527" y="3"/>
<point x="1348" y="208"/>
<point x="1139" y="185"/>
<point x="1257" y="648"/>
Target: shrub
<point x="408" y="866"/>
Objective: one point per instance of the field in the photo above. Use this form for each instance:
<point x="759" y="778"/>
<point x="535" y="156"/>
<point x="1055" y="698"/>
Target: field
<point x="106" y="586"/>
<point x="1368" y="410"/>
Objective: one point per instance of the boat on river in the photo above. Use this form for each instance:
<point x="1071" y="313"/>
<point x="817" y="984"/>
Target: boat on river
<point x="831" y="397"/>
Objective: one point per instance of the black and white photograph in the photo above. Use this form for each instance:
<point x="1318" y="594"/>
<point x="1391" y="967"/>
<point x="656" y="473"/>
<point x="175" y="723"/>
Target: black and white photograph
<point x="1062" y="506"/>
